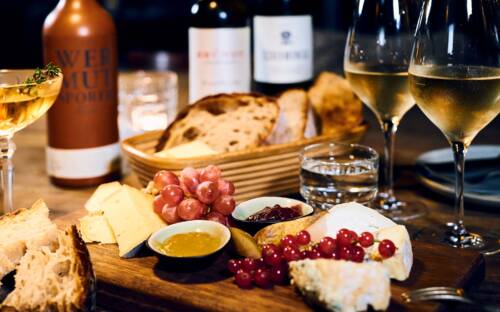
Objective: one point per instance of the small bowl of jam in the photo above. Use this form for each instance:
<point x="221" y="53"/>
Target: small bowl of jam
<point x="254" y="214"/>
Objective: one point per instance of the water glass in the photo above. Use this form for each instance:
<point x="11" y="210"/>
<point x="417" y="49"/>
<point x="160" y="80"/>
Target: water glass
<point x="335" y="173"/>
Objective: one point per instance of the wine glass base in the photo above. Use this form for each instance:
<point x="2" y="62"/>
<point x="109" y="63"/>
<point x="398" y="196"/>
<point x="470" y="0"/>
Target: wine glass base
<point x="397" y="210"/>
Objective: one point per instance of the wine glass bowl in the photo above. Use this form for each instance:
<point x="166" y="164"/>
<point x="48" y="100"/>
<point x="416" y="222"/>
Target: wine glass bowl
<point x="454" y="77"/>
<point x="376" y="60"/>
<point x="22" y="102"/>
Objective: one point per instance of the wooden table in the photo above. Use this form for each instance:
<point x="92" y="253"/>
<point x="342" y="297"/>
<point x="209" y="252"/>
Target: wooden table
<point x="416" y="135"/>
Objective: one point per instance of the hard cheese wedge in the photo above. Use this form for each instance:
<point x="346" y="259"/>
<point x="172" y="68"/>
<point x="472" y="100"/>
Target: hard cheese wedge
<point x="131" y="217"/>
<point x="93" y="205"/>
<point x="95" y="228"/>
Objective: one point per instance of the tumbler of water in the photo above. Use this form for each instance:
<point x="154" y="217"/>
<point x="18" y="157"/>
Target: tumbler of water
<point x="334" y="173"/>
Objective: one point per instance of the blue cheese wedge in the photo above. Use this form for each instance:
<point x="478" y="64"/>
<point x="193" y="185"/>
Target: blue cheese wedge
<point x="342" y="286"/>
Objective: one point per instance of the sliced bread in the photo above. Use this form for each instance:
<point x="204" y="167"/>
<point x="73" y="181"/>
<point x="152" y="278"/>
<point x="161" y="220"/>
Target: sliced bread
<point x="335" y="103"/>
<point x="57" y="278"/>
<point x="21" y="230"/>
<point x="224" y="122"/>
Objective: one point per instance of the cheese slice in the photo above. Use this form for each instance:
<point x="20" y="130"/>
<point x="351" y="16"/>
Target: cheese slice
<point x="188" y="150"/>
<point x="132" y="219"/>
<point x="399" y="265"/>
<point x="96" y="229"/>
<point x="93" y="204"/>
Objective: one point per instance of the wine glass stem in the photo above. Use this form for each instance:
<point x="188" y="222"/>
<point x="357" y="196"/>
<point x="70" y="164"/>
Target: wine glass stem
<point x="7" y="148"/>
<point x="459" y="151"/>
<point x="389" y="128"/>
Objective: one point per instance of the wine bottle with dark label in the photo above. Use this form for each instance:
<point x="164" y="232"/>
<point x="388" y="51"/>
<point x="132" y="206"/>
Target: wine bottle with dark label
<point x="219" y="48"/>
<point x="83" y="149"/>
<point x="282" y="45"/>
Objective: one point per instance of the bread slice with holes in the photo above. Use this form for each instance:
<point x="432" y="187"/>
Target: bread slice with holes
<point x="55" y="278"/>
<point x="224" y="122"/>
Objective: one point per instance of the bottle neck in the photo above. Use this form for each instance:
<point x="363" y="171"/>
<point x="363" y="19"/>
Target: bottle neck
<point x="77" y="4"/>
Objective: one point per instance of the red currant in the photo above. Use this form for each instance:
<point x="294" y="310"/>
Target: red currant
<point x="248" y="265"/>
<point x="304" y="254"/>
<point x="386" y="248"/>
<point x="278" y="275"/>
<point x="303" y="238"/>
<point x="288" y="240"/>
<point x="233" y="266"/>
<point x="345" y="237"/>
<point x="243" y="279"/>
<point x="314" y="254"/>
<point x="346" y="252"/>
<point x="291" y="253"/>
<point x="259" y="263"/>
<point x="354" y="237"/>
<point x="366" y="239"/>
<point x="262" y="278"/>
<point x="273" y="258"/>
<point x="358" y="254"/>
<point x="327" y="246"/>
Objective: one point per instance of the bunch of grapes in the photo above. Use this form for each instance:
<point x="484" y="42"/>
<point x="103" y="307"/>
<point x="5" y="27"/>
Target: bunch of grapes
<point x="272" y="267"/>
<point x="194" y="195"/>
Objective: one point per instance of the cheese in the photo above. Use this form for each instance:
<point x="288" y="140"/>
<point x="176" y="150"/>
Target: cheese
<point x="188" y="150"/>
<point x="93" y="205"/>
<point x="352" y="216"/>
<point x="131" y="217"/>
<point x="399" y="265"/>
<point x="96" y="229"/>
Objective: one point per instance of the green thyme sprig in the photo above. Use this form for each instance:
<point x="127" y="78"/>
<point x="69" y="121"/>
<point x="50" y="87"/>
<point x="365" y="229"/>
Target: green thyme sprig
<point x="40" y="76"/>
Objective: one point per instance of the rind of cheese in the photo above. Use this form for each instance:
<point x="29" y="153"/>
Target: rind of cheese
<point x="131" y="217"/>
<point x="340" y="285"/>
<point x="96" y="229"/>
<point x="399" y="265"/>
<point x="188" y="150"/>
<point x="352" y="216"/>
<point x="93" y="204"/>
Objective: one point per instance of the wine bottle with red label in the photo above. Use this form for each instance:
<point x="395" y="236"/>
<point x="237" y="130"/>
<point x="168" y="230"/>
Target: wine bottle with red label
<point x="219" y="48"/>
<point x="83" y="149"/>
<point x="282" y="45"/>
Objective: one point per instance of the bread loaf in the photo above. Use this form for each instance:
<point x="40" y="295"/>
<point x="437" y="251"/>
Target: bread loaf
<point x="224" y="122"/>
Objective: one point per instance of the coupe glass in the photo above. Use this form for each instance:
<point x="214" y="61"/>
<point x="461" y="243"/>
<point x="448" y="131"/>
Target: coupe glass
<point x="376" y="60"/>
<point x="21" y="104"/>
<point x="455" y="80"/>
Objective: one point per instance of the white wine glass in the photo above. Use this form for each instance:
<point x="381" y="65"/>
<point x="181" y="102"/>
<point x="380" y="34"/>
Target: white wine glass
<point x="376" y="60"/>
<point x="25" y="96"/>
<point x="454" y="77"/>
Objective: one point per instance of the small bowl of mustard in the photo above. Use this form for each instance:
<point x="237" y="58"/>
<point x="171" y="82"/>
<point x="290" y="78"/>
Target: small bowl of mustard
<point x="190" y="240"/>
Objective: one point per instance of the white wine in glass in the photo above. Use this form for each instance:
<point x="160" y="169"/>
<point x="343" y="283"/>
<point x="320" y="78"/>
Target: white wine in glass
<point x="454" y="77"/>
<point x="24" y="98"/>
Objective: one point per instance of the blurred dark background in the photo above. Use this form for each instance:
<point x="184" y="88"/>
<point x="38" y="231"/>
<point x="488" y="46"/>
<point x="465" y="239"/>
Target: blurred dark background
<point x="152" y="34"/>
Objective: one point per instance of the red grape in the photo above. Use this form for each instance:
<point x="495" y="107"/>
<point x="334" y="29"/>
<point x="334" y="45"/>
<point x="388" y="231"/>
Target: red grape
<point x="273" y="258"/>
<point x="291" y="253"/>
<point x="358" y="254"/>
<point x="225" y="187"/>
<point x="189" y="180"/>
<point x="278" y="275"/>
<point x="191" y="209"/>
<point x="345" y="237"/>
<point x="172" y="194"/>
<point x="158" y="204"/>
<point x="346" y="252"/>
<point x="303" y="238"/>
<point x="224" y="204"/>
<point x="163" y="178"/>
<point x="327" y="246"/>
<point x="207" y="192"/>
<point x="248" y="265"/>
<point x="243" y="279"/>
<point x="233" y="266"/>
<point x="288" y="240"/>
<point x="210" y="173"/>
<point x="217" y="217"/>
<point x="386" y="248"/>
<point x="262" y="278"/>
<point x="366" y="239"/>
<point x="170" y="215"/>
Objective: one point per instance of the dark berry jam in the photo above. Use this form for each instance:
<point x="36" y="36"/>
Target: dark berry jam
<point x="277" y="213"/>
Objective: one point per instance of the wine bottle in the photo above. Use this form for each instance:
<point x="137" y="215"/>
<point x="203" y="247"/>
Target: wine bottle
<point x="219" y="48"/>
<point x="83" y="148"/>
<point x="282" y="45"/>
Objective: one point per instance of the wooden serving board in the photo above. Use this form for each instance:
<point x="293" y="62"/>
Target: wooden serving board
<point x="146" y="284"/>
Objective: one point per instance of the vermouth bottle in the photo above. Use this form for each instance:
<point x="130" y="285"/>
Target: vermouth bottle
<point x="219" y="48"/>
<point x="83" y="148"/>
<point x="282" y="45"/>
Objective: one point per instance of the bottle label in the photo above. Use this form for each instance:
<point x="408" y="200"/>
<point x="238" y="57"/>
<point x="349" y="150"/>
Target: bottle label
<point x="219" y="61"/>
<point x="283" y="48"/>
<point x="83" y="163"/>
